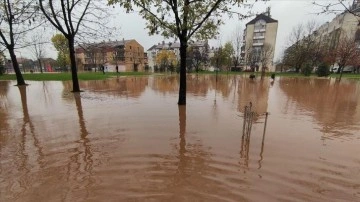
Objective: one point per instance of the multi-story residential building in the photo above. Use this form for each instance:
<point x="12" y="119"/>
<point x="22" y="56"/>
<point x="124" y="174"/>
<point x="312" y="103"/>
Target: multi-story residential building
<point x="259" y="36"/>
<point x="128" y="55"/>
<point x="153" y="51"/>
<point x="345" y="24"/>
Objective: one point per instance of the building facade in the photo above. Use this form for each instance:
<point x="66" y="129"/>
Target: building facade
<point x="259" y="37"/>
<point x="128" y="55"/>
<point x="154" y="50"/>
<point x="345" y="24"/>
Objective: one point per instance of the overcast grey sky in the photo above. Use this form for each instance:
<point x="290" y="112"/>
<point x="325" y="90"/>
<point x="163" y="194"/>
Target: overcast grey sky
<point x="288" y="13"/>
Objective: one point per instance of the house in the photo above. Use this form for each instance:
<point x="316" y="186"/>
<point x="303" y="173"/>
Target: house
<point x="128" y="55"/>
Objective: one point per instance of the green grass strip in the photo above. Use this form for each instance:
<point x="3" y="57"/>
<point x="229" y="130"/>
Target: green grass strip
<point x="67" y="76"/>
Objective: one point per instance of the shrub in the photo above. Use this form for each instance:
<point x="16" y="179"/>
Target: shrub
<point x="306" y="70"/>
<point x="323" y="70"/>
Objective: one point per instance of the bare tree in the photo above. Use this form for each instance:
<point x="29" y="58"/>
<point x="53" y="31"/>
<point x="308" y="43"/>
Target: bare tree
<point x="338" y="6"/>
<point x="251" y="57"/>
<point x="75" y="19"/>
<point x="347" y="53"/>
<point x="237" y="43"/>
<point x="37" y="48"/>
<point x="302" y="47"/>
<point x="16" y="18"/>
<point x="266" y="56"/>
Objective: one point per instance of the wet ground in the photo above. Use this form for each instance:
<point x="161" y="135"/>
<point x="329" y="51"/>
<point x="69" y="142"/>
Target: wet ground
<point x="126" y="139"/>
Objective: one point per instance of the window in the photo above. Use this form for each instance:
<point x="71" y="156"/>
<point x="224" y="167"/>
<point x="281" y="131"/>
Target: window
<point x="260" y="24"/>
<point x="130" y="47"/>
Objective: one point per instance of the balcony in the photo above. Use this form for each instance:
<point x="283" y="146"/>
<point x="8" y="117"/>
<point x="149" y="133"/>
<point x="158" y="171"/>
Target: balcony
<point x="260" y="30"/>
<point x="259" y="37"/>
<point x="258" y="44"/>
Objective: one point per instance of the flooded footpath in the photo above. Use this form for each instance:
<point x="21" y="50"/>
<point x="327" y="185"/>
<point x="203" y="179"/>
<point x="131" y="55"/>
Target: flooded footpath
<point x="126" y="139"/>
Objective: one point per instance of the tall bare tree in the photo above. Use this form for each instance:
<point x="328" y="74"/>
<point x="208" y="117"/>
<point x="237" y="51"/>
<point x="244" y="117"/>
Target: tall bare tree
<point x="75" y="19"/>
<point x="302" y="45"/>
<point x="16" y="18"/>
<point x="183" y="19"/>
<point x="265" y="59"/>
<point x="251" y="57"/>
<point x="237" y="43"/>
<point x="37" y="47"/>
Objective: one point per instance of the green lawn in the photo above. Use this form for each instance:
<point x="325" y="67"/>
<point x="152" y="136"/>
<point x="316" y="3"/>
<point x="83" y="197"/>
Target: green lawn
<point x="67" y="76"/>
<point x="101" y="76"/>
<point x="281" y="74"/>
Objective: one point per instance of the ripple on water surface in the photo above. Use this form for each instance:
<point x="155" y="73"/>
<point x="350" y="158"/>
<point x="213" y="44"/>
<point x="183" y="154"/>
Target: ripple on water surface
<point x="125" y="139"/>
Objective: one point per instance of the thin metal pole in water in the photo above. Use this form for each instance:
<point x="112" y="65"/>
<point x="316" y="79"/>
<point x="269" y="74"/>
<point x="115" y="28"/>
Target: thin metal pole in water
<point x="266" y="117"/>
<point x="245" y="115"/>
<point x="263" y="140"/>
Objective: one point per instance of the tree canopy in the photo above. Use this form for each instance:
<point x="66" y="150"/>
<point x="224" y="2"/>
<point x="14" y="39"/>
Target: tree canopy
<point x="61" y="45"/>
<point x="184" y="19"/>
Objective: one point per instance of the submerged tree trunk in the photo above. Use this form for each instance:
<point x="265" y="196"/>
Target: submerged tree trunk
<point x="262" y="72"/>
<point x="341" y="71"/>
<point x="75" y="80"/>
<point x="182" y="89"/>
<point x="19" y="77"/>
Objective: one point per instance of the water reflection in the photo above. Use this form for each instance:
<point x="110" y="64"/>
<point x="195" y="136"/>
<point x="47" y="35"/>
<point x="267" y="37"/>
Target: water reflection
<point x="27" y="123"/>
<point x="29" y="154"/>
<point x="4" y="87"/>
<point x="122" y="86"/>
<point x="256" y="92"/>
<point x="80" y="165"/>
<point x="334" y="105"/>
<point x="196" y="85"/>
<point x="76" y="147"/>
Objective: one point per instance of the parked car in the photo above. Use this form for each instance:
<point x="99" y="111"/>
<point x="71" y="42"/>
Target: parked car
<point x="346" y="69"/>
<point x="291" y="70"/>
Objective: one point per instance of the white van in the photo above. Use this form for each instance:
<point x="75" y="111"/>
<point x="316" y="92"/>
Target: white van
<point x="346" y="69"/>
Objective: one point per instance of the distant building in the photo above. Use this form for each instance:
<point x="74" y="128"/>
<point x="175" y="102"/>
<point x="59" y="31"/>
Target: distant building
<point x="128" y="55"/>
<point x="260" y="31"/>
<point x="174" y="47"/>
<point x="155" y="49"/>
<point x="344" y="24"/>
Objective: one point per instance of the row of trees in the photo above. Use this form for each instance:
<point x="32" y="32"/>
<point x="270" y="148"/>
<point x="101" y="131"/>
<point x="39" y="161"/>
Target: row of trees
<point x="183" y="20"/>
<point x="75" y="20"/>
<point x="309" y="49"/>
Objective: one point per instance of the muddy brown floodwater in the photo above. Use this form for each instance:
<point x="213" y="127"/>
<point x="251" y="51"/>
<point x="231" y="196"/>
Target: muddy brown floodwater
<point x="126" y="139"/>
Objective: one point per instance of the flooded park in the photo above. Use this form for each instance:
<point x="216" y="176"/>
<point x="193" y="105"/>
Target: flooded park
<point x="126" y="139"/>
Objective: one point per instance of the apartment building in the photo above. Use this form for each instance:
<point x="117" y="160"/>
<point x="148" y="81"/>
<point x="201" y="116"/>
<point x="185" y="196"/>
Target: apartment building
<point x="128" y="55"/>
<point x="153" y="51"/>
<point x="259" y="35"/>
<point x="345" y="24"/>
